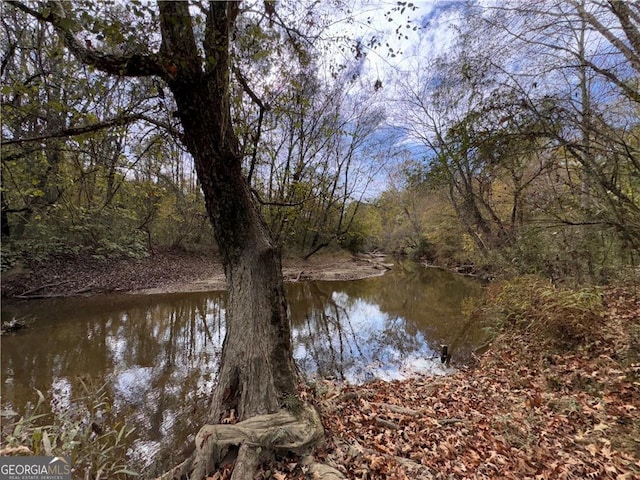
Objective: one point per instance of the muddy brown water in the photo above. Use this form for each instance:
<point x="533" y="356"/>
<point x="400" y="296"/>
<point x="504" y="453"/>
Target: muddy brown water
<point x="157" y="355"/>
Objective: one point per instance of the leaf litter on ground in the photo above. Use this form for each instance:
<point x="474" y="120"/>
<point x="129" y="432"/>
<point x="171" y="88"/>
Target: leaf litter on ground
<point x="525" y="410"/>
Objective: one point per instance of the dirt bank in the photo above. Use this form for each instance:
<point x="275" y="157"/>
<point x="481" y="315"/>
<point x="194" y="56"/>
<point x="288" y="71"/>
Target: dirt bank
<point x="165" y="272"/>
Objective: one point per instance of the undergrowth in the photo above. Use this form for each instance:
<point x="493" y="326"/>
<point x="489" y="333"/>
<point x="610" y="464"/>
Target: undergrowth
<point x="565" y="317"/>
<point x="84" y="429"/>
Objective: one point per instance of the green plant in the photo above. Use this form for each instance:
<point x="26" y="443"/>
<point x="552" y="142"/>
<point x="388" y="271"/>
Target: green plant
<point x="564" y="317"/>
<point x="9" y="255"/>
<point x="86" y="430"/>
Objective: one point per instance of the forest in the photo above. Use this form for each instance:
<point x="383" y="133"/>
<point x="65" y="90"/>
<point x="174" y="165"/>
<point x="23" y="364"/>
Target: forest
<point x="467" y="157"/>
<point x="499" y="140"/>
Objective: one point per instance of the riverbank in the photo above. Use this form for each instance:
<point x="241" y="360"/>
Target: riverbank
<point x="525" y="410"/>
<point x="166" y="272"/>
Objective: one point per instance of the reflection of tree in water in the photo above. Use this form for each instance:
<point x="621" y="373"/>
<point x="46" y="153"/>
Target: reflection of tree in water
<point x="342" y="335"/>
<point x="158" y="358"/>
<point x="352" y="328"/>
<point x="395" y="342"/>
<point x="428" y="300"/>
<point x="160" y="354"/>
<point x="321" y="324"/>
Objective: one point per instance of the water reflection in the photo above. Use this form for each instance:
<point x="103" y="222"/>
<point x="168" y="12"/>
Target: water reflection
<point x="159" y="354"/>
<point x="383" y="327"/>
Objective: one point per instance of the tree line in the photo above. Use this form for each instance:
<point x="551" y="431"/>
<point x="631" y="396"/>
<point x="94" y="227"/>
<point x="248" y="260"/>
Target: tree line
<point x="524" y="133"/>
<point x="530" y="135"/>
<point x="93" y="164"/>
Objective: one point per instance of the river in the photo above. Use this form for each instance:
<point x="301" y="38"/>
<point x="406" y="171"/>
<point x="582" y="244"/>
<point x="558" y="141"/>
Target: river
<point x="156" y="355"/>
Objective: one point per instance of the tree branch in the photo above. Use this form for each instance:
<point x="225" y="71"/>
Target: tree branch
<point x="73" y="131"/>
<point x="274" y="204"/>
<point x="626" y="16"/>
<point x="629" y="53"/>
<point x="263" y="107"/>
<point x="627" y="90"/>
<point x="170" y="129"/>
<point x="245" y="86"/>
<point x="135" y="65"/>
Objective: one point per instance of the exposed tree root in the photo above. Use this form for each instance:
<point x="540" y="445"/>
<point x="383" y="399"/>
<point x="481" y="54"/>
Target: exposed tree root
<point x="256" y="439"/>
<point x="249" y="458"/>
<point x="277" y="432"/>
<point x="21" y="450"/>
<point x="324" y="472"/>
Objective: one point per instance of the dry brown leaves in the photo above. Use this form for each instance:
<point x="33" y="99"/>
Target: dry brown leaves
<point x="523" y="412"/>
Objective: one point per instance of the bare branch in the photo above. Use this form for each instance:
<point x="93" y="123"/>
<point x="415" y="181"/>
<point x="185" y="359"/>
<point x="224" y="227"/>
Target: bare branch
<point x="626" y="89"/>
<point x="170" y="129"/>
<point x="628" y="21"/>
<point x="632" y="56"/>
<point x="74" y="131"/>
<point x="274" y="204"/>
<point x="245" y="86"/>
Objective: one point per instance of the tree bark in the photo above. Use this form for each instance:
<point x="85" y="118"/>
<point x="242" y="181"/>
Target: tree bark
<point x="4" y="215"/>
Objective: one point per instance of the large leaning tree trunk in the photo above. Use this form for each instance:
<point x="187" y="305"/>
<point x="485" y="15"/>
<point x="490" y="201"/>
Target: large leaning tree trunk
<point x="257" y="369"/>
<point x="257" y="374"/>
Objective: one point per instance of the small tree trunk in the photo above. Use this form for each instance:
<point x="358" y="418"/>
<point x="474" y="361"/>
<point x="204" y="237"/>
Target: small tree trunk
<point x="5" y="228"/>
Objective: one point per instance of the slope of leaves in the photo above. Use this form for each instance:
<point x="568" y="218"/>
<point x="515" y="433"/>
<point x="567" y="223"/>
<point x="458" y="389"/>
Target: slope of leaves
<point x="524" y="411"/>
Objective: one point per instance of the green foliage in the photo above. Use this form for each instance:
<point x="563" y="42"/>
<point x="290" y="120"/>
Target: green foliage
<point x="103" y="234"/>
<point x="86" y="430"/>
<point x="536" y="186"/>
<point x="364" y="231"/>
<point x="569" y="254"/>
<point x="424" y="250"/>
<point x="108" y="193"/>
<point x="181" y="220"/>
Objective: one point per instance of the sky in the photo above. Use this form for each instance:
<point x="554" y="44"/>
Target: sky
<point x="400" y="50"/>
<point x="407" y="34"/>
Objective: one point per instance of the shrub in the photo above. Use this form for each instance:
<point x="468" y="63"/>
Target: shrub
<point x="86" y="430"/>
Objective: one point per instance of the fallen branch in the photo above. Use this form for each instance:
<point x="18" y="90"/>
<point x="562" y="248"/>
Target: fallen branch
<point x="379" y="265"/>
<point x="387" y="424"/>
<point x="42" y="287"/>
<point x="177" y="471"/>
<point x="24" y="296"/>
<point x="450" y="421"/>
<point x="437" y="267"/>
<point x="55" y="295"/>
<point x="345" y="397"/>
<point x="397" y="409"/>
